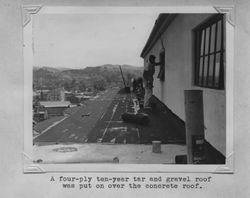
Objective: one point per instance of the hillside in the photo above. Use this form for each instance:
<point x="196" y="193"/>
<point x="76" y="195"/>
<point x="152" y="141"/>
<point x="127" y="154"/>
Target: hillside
<point x="97" y="78"/>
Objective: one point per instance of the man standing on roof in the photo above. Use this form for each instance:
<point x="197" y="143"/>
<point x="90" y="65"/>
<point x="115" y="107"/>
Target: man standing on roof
<point x="148" y="79"/>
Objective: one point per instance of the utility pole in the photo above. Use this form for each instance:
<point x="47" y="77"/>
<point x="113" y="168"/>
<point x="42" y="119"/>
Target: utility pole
<point x="122" y="76"/>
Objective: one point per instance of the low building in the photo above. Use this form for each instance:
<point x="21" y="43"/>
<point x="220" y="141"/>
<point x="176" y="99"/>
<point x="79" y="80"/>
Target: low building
<point x="39" y="112"/>
<point x="55" y="108"/>
<point x="191" y="48"/>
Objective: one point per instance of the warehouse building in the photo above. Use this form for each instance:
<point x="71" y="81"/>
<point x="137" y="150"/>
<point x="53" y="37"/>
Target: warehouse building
<point x="55" y="108"/>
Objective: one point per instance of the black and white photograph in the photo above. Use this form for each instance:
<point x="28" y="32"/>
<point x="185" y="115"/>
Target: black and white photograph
<point x="114" y="98"/>
<point x="130" y="88"/>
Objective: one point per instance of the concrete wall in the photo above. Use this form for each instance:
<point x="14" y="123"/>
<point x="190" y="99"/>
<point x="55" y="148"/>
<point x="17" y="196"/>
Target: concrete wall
<point x="178" y="43"/>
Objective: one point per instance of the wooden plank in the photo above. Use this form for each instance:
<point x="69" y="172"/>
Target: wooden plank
<point x="215" y="43"/>
<point x="208" y="62"/>
<point x="204" y="44"/>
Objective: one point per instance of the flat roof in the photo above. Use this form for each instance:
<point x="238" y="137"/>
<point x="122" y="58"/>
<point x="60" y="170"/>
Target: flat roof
<point x="55" y="103"/>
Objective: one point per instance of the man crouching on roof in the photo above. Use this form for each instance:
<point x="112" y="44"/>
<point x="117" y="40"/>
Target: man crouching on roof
<point x="148" y="79"/>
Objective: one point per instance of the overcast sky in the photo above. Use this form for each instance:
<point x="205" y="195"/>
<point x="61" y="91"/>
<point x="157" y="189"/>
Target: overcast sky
<point x="80" y="40"/>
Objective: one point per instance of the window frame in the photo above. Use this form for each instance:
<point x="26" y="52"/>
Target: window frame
<point x="197" y="32"/>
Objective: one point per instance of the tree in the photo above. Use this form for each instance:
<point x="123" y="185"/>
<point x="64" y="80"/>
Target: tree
<point x="66" y="86"/>
<point x="73" y="84"/>
<point x="82" y="86"/>
<point x="99" y="83"/>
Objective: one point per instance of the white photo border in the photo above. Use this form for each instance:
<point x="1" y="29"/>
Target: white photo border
<point x="30" y="167"/>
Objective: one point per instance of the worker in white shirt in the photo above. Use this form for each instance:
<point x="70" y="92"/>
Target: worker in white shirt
<point x="148" y="79"/>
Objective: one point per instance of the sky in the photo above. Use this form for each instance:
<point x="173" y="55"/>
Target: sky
<point x="81" y="40"/>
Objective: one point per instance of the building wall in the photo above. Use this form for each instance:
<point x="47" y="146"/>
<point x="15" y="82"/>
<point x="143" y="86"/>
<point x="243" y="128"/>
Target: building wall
<point x="178" y="43"/>
<point x="55" y="111"/>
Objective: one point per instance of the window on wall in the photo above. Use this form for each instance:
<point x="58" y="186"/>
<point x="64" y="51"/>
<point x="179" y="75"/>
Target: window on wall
<point x="210" y="53"/>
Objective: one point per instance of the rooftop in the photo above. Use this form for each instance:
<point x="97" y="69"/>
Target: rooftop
<point x="55" y="103"/>
<point x="105" y="153"/>
<point x="98" y="132"/>
<point x="99" y="120"/>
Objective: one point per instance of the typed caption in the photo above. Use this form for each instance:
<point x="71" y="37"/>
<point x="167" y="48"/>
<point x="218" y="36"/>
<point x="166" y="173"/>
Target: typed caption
<point x="134" y="182"/>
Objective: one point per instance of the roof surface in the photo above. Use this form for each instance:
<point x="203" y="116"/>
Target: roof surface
<point x="55" y="103"/>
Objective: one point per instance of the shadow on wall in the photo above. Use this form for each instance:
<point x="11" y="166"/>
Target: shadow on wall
<point x="212" y="156"/>
<point x="173" y="128"/>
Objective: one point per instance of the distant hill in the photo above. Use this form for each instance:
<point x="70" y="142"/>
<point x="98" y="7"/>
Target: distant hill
<point x="98" y="77"/>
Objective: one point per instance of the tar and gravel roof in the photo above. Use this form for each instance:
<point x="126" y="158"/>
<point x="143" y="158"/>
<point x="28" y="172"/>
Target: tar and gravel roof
<point x="55" y="103"/>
